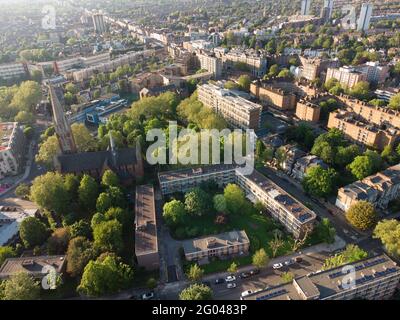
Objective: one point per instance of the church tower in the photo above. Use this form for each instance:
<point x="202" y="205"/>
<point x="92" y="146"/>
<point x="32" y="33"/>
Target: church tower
<point x="61" y="125"/>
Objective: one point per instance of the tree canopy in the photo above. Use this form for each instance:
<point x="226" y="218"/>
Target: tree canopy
<point x="388" y="231"/>
<point x="196" y="292"/>
<point x="362" y="215"/>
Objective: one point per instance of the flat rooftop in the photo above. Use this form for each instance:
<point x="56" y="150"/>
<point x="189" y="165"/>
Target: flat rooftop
<point x="145" y="221"/>
<point x="32" y="265"/>
<point x="221" y="240"/>
<point x="328" y="283"/>
<point x="192" y="172"/>
<point x="286" y="201"/>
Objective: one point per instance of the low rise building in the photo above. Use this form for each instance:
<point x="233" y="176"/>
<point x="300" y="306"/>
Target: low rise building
<point x="303" y="164"/>
<point x="12" y="149"/>
<point x="290" y="154"/>
<point x="362" y="131"/>
<point x="378" y="189"/>
<point x="37" y="266"/>
<point x="237" y="111"/>
<point x="228" y="244"/>
<point x="375" y="278"/>
<point x="274" y="95"/>
<point x="13" y="71"/>
<point x="347" y="76"/>
<point x="386" y="94"/>
<point x="146" y="240"/>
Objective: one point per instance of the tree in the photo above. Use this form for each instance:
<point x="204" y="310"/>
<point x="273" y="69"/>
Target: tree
<point x="196" y="292"/>
<point x="230" y="85"/>
<point x="361" y="90"/>
<point x="197" y="202"/>
<point x="20" y="286"/>
<point x="389" y="155"/>
<point x="195" y="273"/>
<point x="174" y="212"/>
<point x="119" y="214"/>
<point x="325" y="232"/>
<point x="113" y="197"/>
<point x="219" y="203"/>
<point x="80" y="252"/>
<point x="233" y="268"/>
<point x="394" y="102"/>
<point x="6" y="252"/>
<point x="244" y="82"/>
<point x="28" y="95"/>
<point x="48" y="191"/>
<point x="151" y="283"/>
<point x="71" y="88"/>
<point x="104" y="276"/>
<point x="28" y="132"/>
<point x="110" y="179"/>
<point x="346" y="155"/>
<point x="24" y="117"/>
<point x="260" y="258"/>
<point x="352" y="254"/>
<point x="284" y="73"/>
<point x="83" y="139"/>
<point x="32" y="232"/>
<point x="58" y="241"/>
<point x="275" y="244"/>
<point x="287" y="277"/>
<point x="362" y="215"/>
<point x="88" y="191"/>
<point x="80" y="228"/>
<point x="319" y="182"/>
<point x="23" y="191"/>
<point x="71" y="183"/>
<point x="273" y="70"/>
<point x="362" y="167"/>
<point x="107" y="236"/>
<point x="47" y="151"/>
<point x="235" y="198"/>
<point x="388" y="231"/>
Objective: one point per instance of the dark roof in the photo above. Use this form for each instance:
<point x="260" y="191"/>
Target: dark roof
<point x="87" y="161"/>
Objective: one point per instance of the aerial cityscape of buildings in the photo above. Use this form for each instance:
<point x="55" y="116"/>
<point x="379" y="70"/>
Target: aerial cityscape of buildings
<point x="106" y="188"/>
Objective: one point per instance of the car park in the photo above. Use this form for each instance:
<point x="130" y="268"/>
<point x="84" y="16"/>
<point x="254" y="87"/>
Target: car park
<point x="219" y="281"/>
<point x="230" y="278"/>
<point x="277" y="266"/>
<point x="231" y="285"/>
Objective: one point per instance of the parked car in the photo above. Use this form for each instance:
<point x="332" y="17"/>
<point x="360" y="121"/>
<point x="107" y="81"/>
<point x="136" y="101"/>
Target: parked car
<point x="254" y="272"/>
<point x="230" y="278"/>
<point x="219" y="281"/>
<point x="245" y="294"/>
<point x="245" y="275"/>
<point x="298" y="259"/>
<point x="277" y="266"/>
<point x="231" y="285"/>
<point x="133" y="297"/>
<point x="148" y="295"/>
<point x="289" y="262"/>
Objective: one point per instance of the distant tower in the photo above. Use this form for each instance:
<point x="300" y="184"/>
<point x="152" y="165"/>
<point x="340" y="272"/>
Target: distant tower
<point x="365" y="17"/>
<point x="305" y="7"/>
<point x="98" y="23"/>
<point x="326" y="11"/>
<point x="62" y="127"/>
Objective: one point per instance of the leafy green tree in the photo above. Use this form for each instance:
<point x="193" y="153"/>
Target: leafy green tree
<point x="113" y="197"/>
<point x="233" y="268"/>
<point x="197" y="202"/>
<point x="362" y="167"/>
<point x="361" y="90"/>
<point x="325" y="232"/>
<point x="88" y="191"/>
<point x="196" y="292"/>
<point x="273" y="70"/>
<point x="388" y="231"/>
<point x="24" y="117"/>
<point x="28" y="96"/>
<point x="20" y="286"/>
<point x="58" y="241"/>
<point x="23" y="191"/>
<point x="287" y="277"/>
<point x="105" y="276"/>
<point x="83" y="139"/>
<point x="235" y="198"/>
<point x="48" y="192"/>
<point x="80" y="228"/>
<point x="260" y="258"/>
<point x="80" y="252"/>
<point x="362" y="215"/>
<point x="389" y="155"/>
<point x="110" y="179"/>
<point x="71" y="88"/>
<point x="219" y="203"/>
<point x="230" y="85"/>
<point x="71" y="183"/>
<point x="6" y="252"/>
<point x="352" y="254"/>
<point x="346" y="155"/>
<point x="195" y="273"/>
<point x="394" y="102"/>
<point x="174" y="212"/>
<point x="244" y="82"/>
<point x="119" y="214"/>
<point x="32" y="232"/>
<point x="28" y="132"/>
<point x="319" y="182"/>
<point x="108" y="236"/>
<point x="47" y="151"/>
<point x="284" y="73"/>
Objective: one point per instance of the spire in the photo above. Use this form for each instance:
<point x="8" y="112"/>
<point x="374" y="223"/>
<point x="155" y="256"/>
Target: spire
<point x="61" y="125"/>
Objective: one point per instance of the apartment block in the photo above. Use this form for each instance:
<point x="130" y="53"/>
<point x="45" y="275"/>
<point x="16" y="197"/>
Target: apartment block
<point x="362" y="132"/>
<point x="256" y="62"/>
<point x="13" y="70"/>
<point x="378" y="189"/>
<point x="296" y="218"/>
<point x="348" y="77"/>
<point x="237" y="111"/>
<point x="308" y="111"/>
<point x="375" y="72"/>
<point x="312" y="68"/>
<point x="291" y="213"/>
<point x="146" y="240"/>
<point x="12" y="149"/>
<point x="210" y="63"/>
<point x="386" y="93"/>
<point x="274" y="95"/>
<point x="228" y="244"/>
<point x="375" y="278"/>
